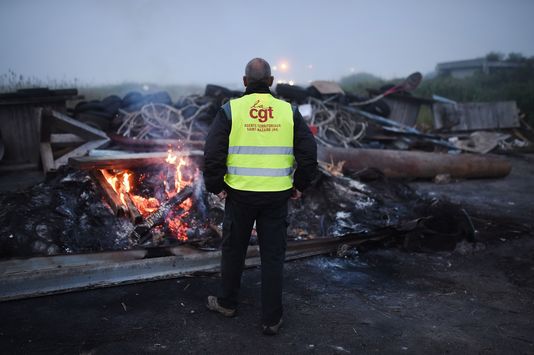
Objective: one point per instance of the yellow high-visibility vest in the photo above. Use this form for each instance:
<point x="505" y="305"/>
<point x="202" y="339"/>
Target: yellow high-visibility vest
<point x="260" y="150"/>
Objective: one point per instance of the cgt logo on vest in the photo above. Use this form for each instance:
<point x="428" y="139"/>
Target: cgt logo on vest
<point x="257" y="111"/>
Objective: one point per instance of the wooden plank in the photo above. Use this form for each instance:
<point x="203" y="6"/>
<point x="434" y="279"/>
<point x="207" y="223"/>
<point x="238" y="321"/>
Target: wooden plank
<point x="65" y="139"/>
<point x="79" y="151"/>
<point x="327" y="87"/>
<point x="133" y="212"/>
<point x="148" y="144"/>
<point x="20" y="127"/>
<point x="125" y="161"/>
<point x="39" y="276"/>
<point x="109" y="194"/>
<point x="472" y="116"/>
<point x="47" y="157"/>
<point x="403" y="111"/>
<point x="18" y="167"/>
<point x="74" y="126"/>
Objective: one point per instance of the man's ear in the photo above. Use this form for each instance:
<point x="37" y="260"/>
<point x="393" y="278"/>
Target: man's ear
<point x="245" y="81"/>
<point x="271" y="79"/>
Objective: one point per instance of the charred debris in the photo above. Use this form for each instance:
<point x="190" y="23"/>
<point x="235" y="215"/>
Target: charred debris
<point x="126" y="172"/>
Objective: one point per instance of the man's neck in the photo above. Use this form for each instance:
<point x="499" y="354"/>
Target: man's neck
<point x="258" y="88"/>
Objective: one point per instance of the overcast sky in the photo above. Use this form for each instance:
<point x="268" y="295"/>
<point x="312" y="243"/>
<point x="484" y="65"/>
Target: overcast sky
<point x="200" y="41"/>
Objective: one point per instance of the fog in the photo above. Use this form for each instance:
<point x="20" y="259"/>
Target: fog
<point x="197" y="42"/>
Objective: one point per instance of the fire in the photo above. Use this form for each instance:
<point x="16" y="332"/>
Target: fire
<point x="174" y="177"/>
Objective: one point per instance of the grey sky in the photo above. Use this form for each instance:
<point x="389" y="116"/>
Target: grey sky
<point x="201" y="41"/>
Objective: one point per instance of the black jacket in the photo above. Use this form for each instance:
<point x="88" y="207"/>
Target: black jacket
<point x="216" y="152"/>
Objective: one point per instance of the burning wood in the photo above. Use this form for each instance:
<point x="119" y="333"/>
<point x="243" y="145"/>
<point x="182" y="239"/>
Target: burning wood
<point x="156" y="193"/>
<point x="139" y="234"/>
<point x="109" y="193"/>
<point x="135" y="216"/>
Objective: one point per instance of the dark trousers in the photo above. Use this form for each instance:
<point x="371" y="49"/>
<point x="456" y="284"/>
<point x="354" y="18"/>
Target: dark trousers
<point x="271" y="227"/>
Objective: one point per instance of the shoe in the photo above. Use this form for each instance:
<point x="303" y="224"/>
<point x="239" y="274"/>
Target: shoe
<point x="213" y="305"/>
<point x="272" y="329"/>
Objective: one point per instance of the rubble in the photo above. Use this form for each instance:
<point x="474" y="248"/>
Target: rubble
<point x="138" y="128"/>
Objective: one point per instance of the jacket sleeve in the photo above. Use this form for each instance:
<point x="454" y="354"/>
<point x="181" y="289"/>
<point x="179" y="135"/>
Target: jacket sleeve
<point x="216" y="152"/>
<point x="305" y="152"/>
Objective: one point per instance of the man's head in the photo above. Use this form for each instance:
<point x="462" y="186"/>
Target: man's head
<point x="258" y="71"/>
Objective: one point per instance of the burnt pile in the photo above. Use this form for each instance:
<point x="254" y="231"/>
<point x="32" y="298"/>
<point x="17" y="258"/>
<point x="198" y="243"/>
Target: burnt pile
<point x="64" y="214"/>
<point x="68" y="214"/>
<point x="374" y="207"/>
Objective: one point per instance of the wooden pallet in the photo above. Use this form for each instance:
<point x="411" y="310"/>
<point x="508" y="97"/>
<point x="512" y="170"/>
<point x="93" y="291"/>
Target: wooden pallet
<point x="76" y="139"/>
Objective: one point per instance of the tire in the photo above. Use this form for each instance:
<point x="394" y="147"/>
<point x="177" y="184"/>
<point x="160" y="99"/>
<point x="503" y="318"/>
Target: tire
<point x="216" y="91"/>
<point x="112" y="107"/>
<point x="90" y="106"/>
<point x="292" y="92"/>
<point x="313" y="92"/>
<point x="190" y="111"/>
<point x="111" y="99"/>
<point x="161" y="97"/>
<point x="131" y="98"/>
<point x="99" y="120"/>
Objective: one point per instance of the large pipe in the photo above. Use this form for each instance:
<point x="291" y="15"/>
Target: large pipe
<point x="414" y="164"/>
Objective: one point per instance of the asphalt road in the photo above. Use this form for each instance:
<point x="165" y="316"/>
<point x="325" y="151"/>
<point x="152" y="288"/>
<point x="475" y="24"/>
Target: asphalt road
<point x="476" y="299"/>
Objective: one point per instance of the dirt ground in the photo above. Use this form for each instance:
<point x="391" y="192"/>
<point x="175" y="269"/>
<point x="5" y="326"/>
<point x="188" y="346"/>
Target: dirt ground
<point x="476" y="299"/>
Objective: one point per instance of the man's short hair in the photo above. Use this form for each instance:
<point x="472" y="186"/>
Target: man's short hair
<point x="258" y="70"/>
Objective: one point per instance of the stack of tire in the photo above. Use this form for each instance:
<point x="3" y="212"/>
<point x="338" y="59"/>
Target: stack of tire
<point x="98" y="113"/>
<point x="221" y="94"/>
<point x="101" y="113"/>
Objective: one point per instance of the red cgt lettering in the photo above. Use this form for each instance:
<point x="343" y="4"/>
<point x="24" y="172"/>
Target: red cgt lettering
<point x="262" y="114"/>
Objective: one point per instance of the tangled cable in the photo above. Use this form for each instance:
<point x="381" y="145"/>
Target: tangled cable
<point x="335" y="127"/>
<point x="155" y="120"/>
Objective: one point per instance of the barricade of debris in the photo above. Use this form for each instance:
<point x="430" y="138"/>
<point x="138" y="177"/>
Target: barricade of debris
<point x="135" y="192"/>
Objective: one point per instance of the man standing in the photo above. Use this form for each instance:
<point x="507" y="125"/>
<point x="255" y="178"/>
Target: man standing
<point x="249" y="156"/>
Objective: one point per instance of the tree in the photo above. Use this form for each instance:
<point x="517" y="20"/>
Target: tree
<point x="495" y="56"/>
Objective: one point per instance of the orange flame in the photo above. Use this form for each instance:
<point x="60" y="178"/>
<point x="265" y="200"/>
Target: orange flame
<point x="123" y="182"/>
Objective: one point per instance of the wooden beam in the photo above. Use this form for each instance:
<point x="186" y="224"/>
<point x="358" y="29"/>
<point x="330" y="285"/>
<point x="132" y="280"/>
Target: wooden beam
<point x="18" y="167"/>
<point x="109" y="194"/>
<point x="74" y="126"/>
<point x="65" y="139"/>
<point x="415" y="164"/>
<point x="80" y="151"/>
<point x="125" y="161"/>
<point x="133" y="212"/>
<point x="39" y="276"/>
<point x="47" y="157"/>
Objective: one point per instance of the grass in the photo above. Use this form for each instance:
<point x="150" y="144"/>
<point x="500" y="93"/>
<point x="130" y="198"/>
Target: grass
<point x="11" y="81"/>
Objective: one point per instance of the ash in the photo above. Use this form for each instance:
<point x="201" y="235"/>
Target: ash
<point x="62" y="215"/>
<point x="340" y="205"/>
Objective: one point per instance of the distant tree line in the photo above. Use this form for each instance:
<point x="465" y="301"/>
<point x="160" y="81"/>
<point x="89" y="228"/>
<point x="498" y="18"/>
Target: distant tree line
<point x="507" y="84"/>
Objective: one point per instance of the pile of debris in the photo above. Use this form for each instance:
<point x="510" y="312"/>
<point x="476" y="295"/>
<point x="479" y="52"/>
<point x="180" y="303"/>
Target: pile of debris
<point x="385" y="120"/>
<point x="135" y="192"/>
<point x="68" y="214"/>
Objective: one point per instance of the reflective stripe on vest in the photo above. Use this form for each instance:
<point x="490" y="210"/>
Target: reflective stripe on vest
<point x="259" y="171"/>
<point x="260" y="150"/>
